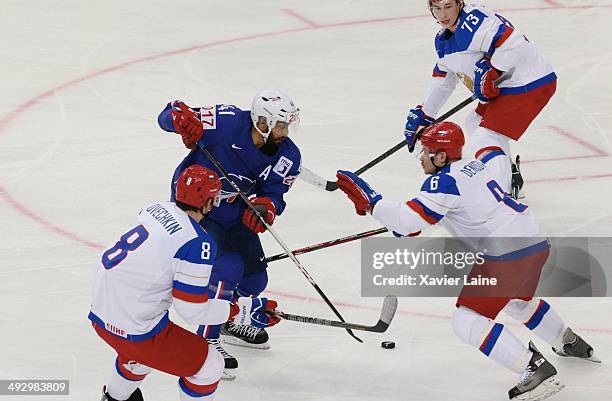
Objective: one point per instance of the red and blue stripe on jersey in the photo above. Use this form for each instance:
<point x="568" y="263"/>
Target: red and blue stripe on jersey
<point x="440" y="184"/>
<point x="195" y="255"/>
<point x="494" y="152"/>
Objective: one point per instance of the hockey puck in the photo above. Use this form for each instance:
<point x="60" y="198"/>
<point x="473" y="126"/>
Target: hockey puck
<point x="387" y="344"/>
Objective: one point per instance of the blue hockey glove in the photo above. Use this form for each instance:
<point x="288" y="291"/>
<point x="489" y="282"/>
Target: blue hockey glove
<point x="415" y="120"/>
<point x="484" y="80"/>
<point x="358" y="191"/>
<point x="256" y="312"/>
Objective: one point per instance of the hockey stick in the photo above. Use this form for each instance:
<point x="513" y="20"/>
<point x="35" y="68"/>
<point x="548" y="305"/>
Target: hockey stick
<point x="327" y="244"/>
<point x="318" y="181"/>
<point x="277" y="238"/>
<point x="386" y="315"/>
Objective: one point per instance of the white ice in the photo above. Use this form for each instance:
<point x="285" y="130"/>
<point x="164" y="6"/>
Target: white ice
<point x="80" y="153"/>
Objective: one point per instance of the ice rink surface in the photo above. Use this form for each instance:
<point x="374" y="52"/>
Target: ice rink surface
<point x="81" y="153"/>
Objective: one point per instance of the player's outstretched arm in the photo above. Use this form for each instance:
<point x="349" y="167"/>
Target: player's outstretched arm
<point x="178" y="117"/>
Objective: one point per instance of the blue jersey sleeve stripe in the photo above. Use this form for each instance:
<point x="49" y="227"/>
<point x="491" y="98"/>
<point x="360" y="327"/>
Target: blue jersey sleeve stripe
<point x="491" y="155"/>
<point x="188" y="288"/>
<point x="438" y="73"/>
<point x="426" y="213"/>
<point x="500" y="37"/>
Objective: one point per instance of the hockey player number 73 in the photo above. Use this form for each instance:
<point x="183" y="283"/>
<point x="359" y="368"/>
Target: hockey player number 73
<point x="501" y="196"/>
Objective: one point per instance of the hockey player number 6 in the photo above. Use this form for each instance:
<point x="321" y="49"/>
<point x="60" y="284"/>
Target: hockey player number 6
<point x="128" y="242"/>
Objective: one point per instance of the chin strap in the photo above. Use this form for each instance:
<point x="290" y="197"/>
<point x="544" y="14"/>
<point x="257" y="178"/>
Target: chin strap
<point x="438" y="169"/>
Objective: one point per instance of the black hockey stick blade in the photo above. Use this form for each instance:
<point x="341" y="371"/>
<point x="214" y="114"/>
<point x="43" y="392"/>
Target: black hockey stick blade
<point x="386" y="316"/>
<point x="333" y="185"/>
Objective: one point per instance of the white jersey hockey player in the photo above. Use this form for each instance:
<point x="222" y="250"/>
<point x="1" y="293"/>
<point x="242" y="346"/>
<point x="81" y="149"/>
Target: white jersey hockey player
<point x="465" y="196"/>
<point x="501" y="66"/>
<point x="166" y="259"/>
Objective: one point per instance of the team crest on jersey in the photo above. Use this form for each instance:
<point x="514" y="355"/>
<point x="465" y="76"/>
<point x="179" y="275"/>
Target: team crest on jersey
<point x="283" y="166"/>
<point x="228" y="193"/>
<point x="467" y="81"/>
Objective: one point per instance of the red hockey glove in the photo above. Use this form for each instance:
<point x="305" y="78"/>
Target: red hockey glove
<point x="187" y="124"/>
<point x="266" y="208"/>
<point x="359" y="192"/>
<point x="484" y="80"/>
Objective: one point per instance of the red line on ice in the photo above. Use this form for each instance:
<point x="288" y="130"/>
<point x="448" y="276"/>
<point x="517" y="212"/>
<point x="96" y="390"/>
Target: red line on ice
<point x="295" y="14"/>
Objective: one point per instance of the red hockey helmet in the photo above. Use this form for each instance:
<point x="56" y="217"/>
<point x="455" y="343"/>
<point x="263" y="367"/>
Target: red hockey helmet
<point x="446" y="136"/>
<point x="196" y="185"/>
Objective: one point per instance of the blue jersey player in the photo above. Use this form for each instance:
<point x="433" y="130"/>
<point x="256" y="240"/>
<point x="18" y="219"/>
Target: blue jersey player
<point x="255" y="149"/>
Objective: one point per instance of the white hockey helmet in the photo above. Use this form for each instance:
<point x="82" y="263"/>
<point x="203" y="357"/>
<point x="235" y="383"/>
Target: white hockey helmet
<point x="275" y="107"/>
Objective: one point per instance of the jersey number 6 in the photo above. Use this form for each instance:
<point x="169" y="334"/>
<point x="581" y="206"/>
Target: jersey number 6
<point x="128" y="242"/>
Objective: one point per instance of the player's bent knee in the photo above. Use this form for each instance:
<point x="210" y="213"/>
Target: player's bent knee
<point x="253" y="284"/>
<point x="521" y="310"/>
<point x="469" y="326"/>
<point x="204" y="382"/>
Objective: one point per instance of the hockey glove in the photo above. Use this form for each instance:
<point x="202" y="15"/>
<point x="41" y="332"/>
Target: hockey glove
<point x="187" y="124"/>
<point x="415" y="120"/>
<point x="255" y="312"/>
<point x="484" y="80"/>
<point x="517" y="178"/>
<point x="358" y="191"/>
<point x="266" y="209"/>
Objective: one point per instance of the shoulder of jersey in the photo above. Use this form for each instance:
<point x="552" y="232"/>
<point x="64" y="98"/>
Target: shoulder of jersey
<point x="192" y="249"/>
<point x="462" y="38"/>
<point x="289" y="148"/>
<point x="441" y="183"/>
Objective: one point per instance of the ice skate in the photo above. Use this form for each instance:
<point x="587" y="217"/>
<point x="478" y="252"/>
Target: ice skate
<point x="231" y="363"/>
<point x="575" y="346"/>
<point x="539" y="380"/>
<point x="136" y="396"/>
<point x="244" y="336"/>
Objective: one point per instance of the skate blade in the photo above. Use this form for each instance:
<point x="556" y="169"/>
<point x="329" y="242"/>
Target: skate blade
<point x="547" y="388"/>
<point x="592" y="358"/>
<point x="231" y="340"/>
<point x="228" y="375"/>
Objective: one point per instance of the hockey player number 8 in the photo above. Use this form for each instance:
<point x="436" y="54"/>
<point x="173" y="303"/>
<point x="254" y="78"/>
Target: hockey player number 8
<point x="502" y="196"/>
<point x="128" y="242"/>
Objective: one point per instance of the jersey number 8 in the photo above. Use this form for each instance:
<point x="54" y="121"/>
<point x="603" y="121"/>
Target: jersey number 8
<point x="128" y="242"/>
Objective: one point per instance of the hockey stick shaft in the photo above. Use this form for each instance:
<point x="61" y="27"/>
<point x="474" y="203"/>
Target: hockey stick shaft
<point x="386" y="316"/>
<point x="276" y="237"/>
<point x="418" y="135"/>
<point x="327" y="244"/>
<point x="323" y="322"/>
<point x="321" y="182"/>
